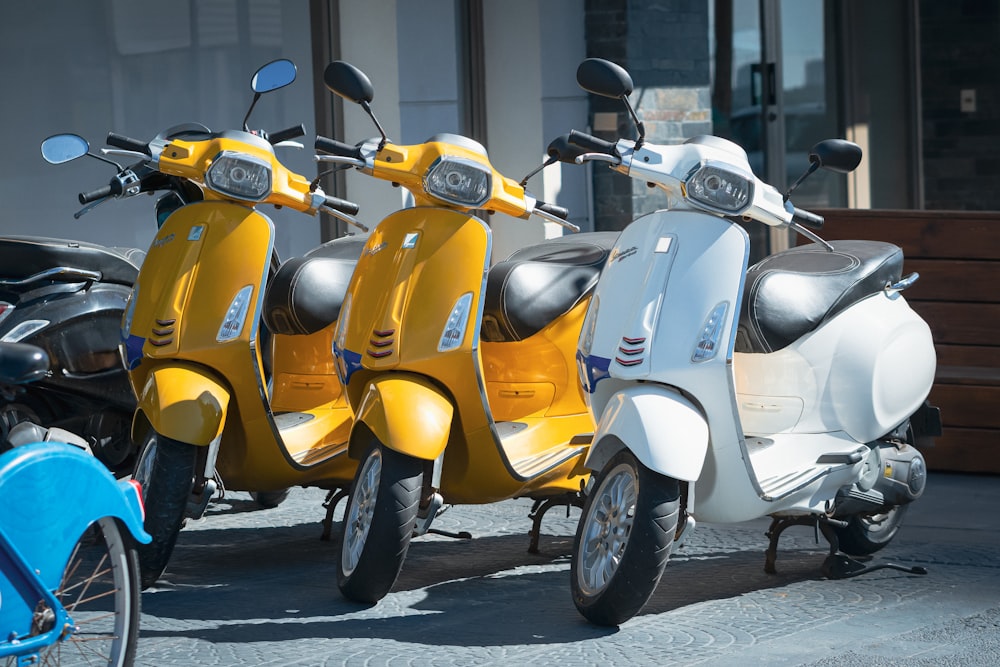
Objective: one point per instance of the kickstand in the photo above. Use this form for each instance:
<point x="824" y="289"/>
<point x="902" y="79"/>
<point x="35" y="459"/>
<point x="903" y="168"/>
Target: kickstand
<point x="778" y="526"/>
<point x="333" y="497"/>
<point x="461" y="535"/>
<point x="540" y="507"/>
<point x="841" y="566"/>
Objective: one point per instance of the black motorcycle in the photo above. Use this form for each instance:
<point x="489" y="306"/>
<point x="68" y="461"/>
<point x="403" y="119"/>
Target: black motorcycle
<point x="68" y="297"/>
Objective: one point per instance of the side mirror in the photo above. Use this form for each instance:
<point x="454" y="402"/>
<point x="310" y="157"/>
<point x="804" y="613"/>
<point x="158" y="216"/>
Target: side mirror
<point x="836" y="155"/>
<point x="276" y="74"/>
<point x="61" y="148"/>
<point x="604" y="78"/>
<point x="344" y="79"/>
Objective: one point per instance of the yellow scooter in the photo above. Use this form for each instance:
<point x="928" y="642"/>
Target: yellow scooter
<point x="462" y="377"/>
<point x="228" y="353"/>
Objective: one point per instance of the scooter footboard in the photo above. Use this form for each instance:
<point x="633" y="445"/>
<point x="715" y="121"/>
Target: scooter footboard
<point x="51" y="493"/>
<point x="663" y="429"/>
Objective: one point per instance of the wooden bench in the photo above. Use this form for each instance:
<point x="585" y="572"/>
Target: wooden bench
<point x="957" y="255"/>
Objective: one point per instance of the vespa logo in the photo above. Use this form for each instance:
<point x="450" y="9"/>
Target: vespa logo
<point x="159" y="243"/>
<point x="376" y="249"/>
<point x="622" y="255"/>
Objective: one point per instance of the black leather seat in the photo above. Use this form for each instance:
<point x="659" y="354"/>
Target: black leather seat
<point x="537" y="284"/>
<point x="23" y="256"/>
<point x="307" y="292"/>
<point x="792" y="292"/>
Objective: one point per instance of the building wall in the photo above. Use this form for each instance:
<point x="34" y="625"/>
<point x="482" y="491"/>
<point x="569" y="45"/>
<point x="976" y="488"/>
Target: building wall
<point x="664" y="46"/>
<point x="961" y="149"/>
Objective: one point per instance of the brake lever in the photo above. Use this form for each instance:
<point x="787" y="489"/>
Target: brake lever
<point x="598" y="157"/>
<point x="124" y="153"/>
<point x="89" y="207"/>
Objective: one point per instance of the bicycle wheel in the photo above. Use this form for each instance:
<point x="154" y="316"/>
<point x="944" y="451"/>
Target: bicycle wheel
<point x="100" y="591"/>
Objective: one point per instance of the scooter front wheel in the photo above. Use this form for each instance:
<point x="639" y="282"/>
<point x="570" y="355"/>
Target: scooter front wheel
<point x="623" y="540"/>
<point x="165" y="471"/>
<point x="378" y="522"/>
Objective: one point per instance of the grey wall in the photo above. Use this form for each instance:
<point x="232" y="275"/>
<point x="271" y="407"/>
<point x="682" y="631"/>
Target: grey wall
<point x="137" y="67"/>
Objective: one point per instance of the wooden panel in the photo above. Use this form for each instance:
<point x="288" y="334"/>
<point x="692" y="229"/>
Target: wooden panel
<point x="939" y="234"/>
<point x="965" y="450"/>
<point x="974" y="356"/>
<point x="961" y="323"/>
<point x="953" y="280"/>
<point x="968" y="406"/>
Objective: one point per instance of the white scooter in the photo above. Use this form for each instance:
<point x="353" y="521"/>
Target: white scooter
<point x="722" y="393"/>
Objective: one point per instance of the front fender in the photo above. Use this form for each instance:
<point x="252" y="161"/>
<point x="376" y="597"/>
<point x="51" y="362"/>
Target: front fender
<point x="185" y="402"/>
<point x="662" y="428"/>
<point x="51" y="492"/>
<point x="407" y="414"/>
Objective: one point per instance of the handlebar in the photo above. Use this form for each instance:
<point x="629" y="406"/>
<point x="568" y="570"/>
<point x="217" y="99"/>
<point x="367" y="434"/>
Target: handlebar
<point x="342" y="205"/>
<point x="806" y="218"/>
<point x="126" y="143"/>
<point x="94" y="195"/>
<point x="286" y="134"/>
<point x="335" y="147"/>
<point x="552" y="209"/>
<point x="591" y="143"/>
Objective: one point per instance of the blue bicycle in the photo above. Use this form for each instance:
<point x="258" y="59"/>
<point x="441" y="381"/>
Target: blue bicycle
<point x="69" y="582"/>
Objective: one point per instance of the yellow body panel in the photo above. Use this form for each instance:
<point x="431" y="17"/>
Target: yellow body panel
<point x="407" y="412"/>
<point x="204" y="254"/>
<point x="185" y="403"/>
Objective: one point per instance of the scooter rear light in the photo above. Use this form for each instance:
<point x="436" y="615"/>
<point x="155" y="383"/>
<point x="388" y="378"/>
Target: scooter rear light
<point x="138" y="490"/>
<point x="5" y="310"/>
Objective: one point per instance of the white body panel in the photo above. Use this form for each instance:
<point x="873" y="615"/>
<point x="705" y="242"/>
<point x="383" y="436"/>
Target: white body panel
<point x="825" y="396"/>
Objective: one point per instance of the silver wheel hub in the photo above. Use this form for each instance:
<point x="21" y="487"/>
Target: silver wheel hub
<point x="606" y="530"/>
<point x="358" y="521"/>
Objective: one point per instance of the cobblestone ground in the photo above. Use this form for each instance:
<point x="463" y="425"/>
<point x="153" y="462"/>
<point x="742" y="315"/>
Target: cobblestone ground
<point x="258" y="587"/>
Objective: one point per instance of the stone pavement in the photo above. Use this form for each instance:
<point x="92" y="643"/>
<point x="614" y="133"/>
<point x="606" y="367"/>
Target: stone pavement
<point x="258" y="587"/>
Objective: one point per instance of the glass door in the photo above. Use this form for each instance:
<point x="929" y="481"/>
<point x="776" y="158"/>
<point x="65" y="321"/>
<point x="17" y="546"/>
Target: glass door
<point x="774" y="93"/>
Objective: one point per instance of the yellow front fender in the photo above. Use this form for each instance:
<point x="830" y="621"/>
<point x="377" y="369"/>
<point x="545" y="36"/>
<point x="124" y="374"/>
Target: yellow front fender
<point x="185" y="402"/>
<point x="407" y="414"/>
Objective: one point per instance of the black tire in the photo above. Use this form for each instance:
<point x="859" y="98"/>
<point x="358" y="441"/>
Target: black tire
<point x="100" y="590"/>
<point x="270" y="499"/>
<point x="378" y="523"/>
<point x="165" y="471"/>
<point x="864" y="535"/>
<point x="623" y="540"/>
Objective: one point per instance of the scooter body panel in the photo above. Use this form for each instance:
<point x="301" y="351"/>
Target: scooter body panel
<point x="864" y="372"/>
<point x="418" y="264"/>
<point x="201" y="259"/>
<point x="409" y="412"/>
<point x="665" y="431"/>
<point x="185" y="402"/>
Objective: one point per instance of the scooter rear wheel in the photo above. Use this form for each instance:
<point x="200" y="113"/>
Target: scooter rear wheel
<point x="864" y="535"/>
<point x="378" y="523"/>
<point x="623" y="540"/>
<point x="165" y="471"/>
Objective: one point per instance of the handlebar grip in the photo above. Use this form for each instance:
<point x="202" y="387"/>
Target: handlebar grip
<point x="807" y="219"/>
<point x="127" y="143"/>
<point x="334" y="147"/>
<point x="286" y="134"/>
<point x="342" y="205"/>
<point x="591" y="144"/>
<point x="552" y="209"/>
<point x="94" y="195"/>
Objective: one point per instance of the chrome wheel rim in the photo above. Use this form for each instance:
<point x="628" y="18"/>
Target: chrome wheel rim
<point x="144" y="467"/>
<point x="606" y="529"/>
<point x="358" y="521"/>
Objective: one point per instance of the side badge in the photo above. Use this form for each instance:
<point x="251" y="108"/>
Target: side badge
<point x="410" y="240"/>
<point x="196" y="232"/>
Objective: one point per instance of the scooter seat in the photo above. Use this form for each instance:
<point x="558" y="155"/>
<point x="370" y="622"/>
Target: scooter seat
<point x="539" y="283"/>
<point x="24" y="256"/>
<point x="793" y="292"/>
<point x="306" y="293"/>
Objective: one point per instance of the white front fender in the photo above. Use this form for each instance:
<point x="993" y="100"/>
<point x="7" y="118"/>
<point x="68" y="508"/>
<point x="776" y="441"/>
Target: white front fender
<point x="663" y="429"/>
